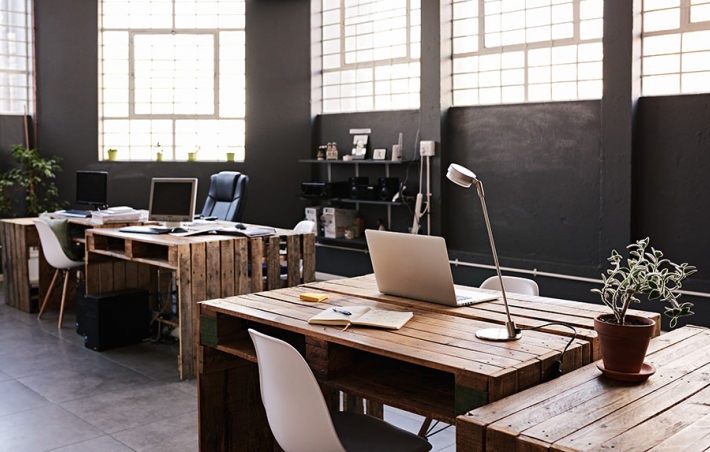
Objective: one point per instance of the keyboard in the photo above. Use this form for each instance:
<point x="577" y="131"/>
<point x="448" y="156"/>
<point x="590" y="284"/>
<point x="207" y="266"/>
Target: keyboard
<point x="76" y="213"/>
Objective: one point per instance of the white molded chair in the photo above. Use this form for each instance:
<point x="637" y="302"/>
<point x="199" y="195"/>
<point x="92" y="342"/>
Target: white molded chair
<point x="55" y="256"/>
<point x="299" y="417"/>
<point x="305" y="226"/>
<point x="513" y="284"/>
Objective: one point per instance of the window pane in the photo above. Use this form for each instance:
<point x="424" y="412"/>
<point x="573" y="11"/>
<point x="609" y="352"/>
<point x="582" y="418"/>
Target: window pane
<point x="178" y="98"/>
<point x="555" y="58"/>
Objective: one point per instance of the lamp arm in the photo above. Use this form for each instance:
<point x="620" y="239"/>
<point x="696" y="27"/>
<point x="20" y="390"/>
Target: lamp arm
<point x="510" y="326"/>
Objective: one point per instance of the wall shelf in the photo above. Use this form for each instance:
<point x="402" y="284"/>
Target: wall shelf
<point x="354" y="201"/>
<point x="355" y="162"/>
<point x="359" y="243"/>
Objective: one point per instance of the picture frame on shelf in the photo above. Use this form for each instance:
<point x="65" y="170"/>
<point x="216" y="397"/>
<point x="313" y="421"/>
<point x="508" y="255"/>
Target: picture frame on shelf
<point x="379" y="154"/>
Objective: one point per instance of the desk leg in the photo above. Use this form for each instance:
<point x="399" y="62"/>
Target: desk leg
<point x="188" y="314"/>
<point x="231" y="414"/>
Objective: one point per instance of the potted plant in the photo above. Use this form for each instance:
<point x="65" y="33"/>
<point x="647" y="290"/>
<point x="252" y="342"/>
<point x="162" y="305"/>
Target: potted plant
<point x="33" y="178"/>
<point x="112" y="153"/>
<point x="192" y="156"/>
<point x="624" y="338"/>
<point x="159" y="154"/>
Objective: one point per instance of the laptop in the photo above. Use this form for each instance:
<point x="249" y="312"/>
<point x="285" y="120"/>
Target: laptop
<point x="417" y="267"/>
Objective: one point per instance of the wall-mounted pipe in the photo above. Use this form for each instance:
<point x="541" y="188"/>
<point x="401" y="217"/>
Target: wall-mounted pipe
<point x="536" y="272"/>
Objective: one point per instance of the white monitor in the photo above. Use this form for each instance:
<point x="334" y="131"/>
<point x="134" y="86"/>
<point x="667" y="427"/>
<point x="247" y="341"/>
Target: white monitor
<point x="172" y="200"/>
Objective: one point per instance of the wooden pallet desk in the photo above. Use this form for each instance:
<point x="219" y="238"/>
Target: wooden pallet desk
<point x="205" y="266"/>
<point x="17" y="236"/>
<point x="585" y="411"/>
<point x="526" y="310"/>
<point x="434" y="366"/>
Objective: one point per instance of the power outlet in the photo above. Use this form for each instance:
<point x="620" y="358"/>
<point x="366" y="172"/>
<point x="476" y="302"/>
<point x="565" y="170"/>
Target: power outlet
<point x="427" y="148"/>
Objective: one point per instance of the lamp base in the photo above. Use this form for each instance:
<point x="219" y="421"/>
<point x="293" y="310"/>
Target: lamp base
<point x="497" y="334"/>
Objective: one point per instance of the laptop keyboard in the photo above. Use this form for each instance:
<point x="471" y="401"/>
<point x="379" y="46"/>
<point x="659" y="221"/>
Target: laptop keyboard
<point x="462" y="298"/>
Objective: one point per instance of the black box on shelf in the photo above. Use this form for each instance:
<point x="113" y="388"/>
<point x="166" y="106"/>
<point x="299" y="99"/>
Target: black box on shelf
<point x="325" y="190"/>
<point x="112" y="319"/>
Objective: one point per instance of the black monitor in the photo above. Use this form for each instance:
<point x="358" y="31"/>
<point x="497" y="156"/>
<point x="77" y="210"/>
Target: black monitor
<point x="172" y="200"/>
<point x="92" y="188"/>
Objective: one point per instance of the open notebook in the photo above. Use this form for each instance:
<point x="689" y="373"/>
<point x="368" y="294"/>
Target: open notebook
<point x="362" y="316"/>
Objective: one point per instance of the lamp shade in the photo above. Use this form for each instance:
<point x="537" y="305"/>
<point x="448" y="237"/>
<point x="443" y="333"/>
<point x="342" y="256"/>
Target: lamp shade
<point x="460" y="175"/>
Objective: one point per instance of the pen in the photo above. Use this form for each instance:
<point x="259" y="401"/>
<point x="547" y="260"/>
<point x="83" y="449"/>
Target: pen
<point x="342" y="311"/>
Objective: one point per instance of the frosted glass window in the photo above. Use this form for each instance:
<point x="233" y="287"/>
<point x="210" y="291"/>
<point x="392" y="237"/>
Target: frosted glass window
<point x="370" y="55"/>
<point x="16" y="71"/>
<point x="676" y="47"/>
<point x="511" y="51"/>
<point x="172" y="72"/>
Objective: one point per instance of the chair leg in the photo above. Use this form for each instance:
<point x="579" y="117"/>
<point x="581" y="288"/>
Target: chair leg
<point x="425" y="426"/>
<point x="49" y="291"/>
<point x="64" y="297"/>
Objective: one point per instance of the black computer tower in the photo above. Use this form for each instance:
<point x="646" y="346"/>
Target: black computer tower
<point x="112" y="319"/>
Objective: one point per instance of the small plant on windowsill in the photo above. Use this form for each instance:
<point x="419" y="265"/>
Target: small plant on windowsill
<point x="192" y="156"/>
<point x="159" y="153"/>
<point x="624" y="338"/>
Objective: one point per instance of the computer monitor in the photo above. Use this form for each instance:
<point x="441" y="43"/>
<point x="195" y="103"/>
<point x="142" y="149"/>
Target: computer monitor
<point x="91" y="188"/>
<point x="172" y="200"/>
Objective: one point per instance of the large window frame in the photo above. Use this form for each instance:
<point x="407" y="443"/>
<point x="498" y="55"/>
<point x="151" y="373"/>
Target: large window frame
<point x="670" y="63"/>
<point x="377" y="83"/>
<point x="520" y="68"/>
<point x="16" y="58"/>
<point x="213" y="133"/>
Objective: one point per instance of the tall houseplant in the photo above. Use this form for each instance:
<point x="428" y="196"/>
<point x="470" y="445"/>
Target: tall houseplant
<point x="624" y="338"/>
<point x="33" y="175"/>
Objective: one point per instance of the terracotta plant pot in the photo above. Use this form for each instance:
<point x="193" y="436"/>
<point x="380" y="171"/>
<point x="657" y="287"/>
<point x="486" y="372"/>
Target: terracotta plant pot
<point x="624" y="346"/>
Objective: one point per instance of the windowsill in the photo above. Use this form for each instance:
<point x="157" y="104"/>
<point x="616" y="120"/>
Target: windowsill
<point x="169" y="161"/>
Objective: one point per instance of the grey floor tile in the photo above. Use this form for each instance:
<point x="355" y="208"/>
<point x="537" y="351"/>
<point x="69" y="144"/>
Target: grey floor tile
<point x="187" y="386"/>
<point x="101" y="444"/>
<point x="115" y="411"/>
<point x="16" y="397"/>
<point x="4" y="377"/>
<point x="439" y="441"/>
<point x="155" y="360"/>
<point x="43" y="429"/>
<point x="23" y="337"/>
<point x="46" y="358"/>
<point x="84" y="381"/>
<point x="170" y="435"/>
<point x="49" y="322"/>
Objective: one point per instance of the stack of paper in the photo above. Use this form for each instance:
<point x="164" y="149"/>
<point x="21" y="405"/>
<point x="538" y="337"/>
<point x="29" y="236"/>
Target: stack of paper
<point x="116" y="215"/>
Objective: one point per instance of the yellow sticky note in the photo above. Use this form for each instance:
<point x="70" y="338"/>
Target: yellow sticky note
<point x="317" y="297"/>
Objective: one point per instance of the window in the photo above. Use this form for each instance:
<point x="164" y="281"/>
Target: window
<point x="15" y="57"/>
<point x="676" y="47"/>
<point x="370" y="53"/>
<point x="510" y="51"/>
<point x="172" y="73"/>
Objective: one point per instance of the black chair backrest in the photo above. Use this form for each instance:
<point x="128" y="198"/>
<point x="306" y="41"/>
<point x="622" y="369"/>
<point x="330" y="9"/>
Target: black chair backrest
<point x="227" y="196"/>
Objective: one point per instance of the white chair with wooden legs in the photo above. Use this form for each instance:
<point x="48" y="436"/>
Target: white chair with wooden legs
<point x="513" y="284"/>
<point x="299" y="417"/>
<point x="56" y="258"/>
<point x="305" y="226"/>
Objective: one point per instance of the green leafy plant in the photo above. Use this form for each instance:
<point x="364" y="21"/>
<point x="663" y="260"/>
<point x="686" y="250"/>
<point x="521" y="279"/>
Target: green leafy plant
<point x="33" y="175"/>
<point x="644" y="273"/>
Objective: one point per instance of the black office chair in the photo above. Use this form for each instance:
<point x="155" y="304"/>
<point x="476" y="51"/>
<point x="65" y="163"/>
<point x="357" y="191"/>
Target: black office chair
<point x="227" y="196"/>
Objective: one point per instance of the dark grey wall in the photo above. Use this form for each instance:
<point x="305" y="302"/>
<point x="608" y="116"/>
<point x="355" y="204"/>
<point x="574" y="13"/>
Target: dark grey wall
<point x="278" y="107"/>
<point x="671" y="186"/>
<point x="12" y="131"/>
<point x="539" y="164"/>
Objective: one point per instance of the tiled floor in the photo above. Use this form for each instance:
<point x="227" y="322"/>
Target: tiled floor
<point x="57" y="395"/>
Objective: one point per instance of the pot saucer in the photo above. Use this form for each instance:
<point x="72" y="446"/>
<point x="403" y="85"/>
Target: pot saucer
<point x="646" y="371"/>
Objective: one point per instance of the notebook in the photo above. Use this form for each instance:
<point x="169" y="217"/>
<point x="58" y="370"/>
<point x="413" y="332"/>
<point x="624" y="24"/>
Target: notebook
<point x="362" y="316"/>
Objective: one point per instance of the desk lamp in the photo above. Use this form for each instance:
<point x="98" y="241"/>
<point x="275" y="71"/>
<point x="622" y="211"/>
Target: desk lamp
<point x="465" y="178"/>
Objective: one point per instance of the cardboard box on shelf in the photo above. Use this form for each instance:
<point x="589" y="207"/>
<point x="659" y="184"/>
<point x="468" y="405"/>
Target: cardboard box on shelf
<point x="336" y="220"/>
<point x="314" y="214"/>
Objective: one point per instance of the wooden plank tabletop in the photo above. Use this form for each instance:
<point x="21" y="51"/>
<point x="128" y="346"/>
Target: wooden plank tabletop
<point x="585" y="411"/>
<point x="526" y="310"/>
<point x="431" y="339"/>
